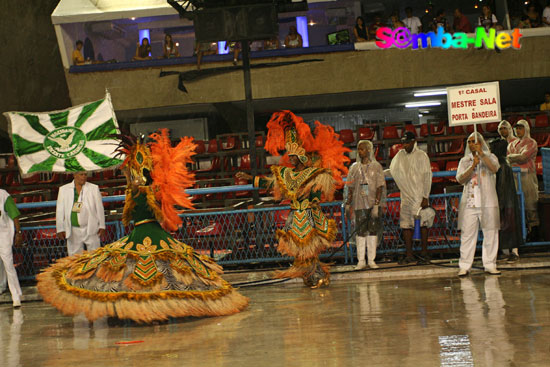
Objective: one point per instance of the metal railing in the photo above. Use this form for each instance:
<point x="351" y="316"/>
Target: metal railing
<point x="247" y="236"/>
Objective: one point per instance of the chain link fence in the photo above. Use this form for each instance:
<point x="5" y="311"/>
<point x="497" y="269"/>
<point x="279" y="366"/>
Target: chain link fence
<point x="247" y="236"/>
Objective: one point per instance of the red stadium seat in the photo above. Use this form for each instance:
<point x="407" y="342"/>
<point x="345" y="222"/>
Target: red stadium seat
<point x="424" y="130"/>
<point x="513" y="119"/>
<point x="377" y="153"/>
<point x="259" y="142"/>
<point x="491" y="127"/>
<point x="538" y="165"/>
<point x="457" y="147"/>
<point x="470" y="129"/>
<point x="245" y="163"/>
<point x="394" y="149"/>
<point x="32" y="180"/>
<point x="542" y="139"/>
<point x="541" y="120"/>
<point x="390" y="132"/>
<point x="365" y="133"/>
<point x="458" y="130"/>
<point x="230" y="143"/>
<point x="346" y="136"/>
<point x="212" y="146"/>
<point x="439" y="129"/>
<point x="201" y="147"/>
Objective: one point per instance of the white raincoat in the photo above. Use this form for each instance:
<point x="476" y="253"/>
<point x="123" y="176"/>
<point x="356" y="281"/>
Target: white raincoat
<point x="490" y="217"/>
<point x="413" y="175"/>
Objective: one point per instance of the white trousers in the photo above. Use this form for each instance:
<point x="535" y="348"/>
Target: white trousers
<point x="468" y="241"/>
<point x="75" y="243"/>
<point x="8" y="269"/>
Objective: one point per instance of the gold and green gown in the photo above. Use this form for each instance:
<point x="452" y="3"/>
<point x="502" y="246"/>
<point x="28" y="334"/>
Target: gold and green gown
<point x="307" y="231"/>
<point x="146" y="276"/>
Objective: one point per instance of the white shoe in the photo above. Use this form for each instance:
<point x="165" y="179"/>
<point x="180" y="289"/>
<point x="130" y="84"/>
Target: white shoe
<point x="373" y="265"/>
<point x="361" y="265"/>
<point x="493" y="271"/>
<point x="462" y="273"/>
<point x="17" y="303"/>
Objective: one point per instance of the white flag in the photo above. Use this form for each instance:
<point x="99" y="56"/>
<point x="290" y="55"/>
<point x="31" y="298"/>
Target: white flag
<point x="72" y="140"/>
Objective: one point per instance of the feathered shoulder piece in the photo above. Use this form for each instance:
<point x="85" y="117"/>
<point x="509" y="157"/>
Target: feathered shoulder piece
<point x="331" y="152"/>
<point x="162" y="173"/>
<point x="171" y="176"/>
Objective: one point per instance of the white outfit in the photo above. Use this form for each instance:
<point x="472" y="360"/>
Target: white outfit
<point x="91" y="217"/>
<point x="413" y="175"/>
<point x="414" y="24"/>
<point x="479" y="204"/>
<point x="360" y="178"/>
<point x="7" y="233"/>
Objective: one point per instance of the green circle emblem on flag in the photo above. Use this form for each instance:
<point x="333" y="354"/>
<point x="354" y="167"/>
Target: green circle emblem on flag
<point x="65" y="142"/>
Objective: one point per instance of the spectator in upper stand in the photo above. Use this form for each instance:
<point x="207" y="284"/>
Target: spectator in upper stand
<point x="374" y="26"/>
<point x="293" y="39"/>
<point x="487" y="19"/>
<point x="523" y="153"/>
<point x="360" y="30"/>
<point x="534" y="17"/>
<point x="546" y="14"/>
<point x="525" y="22"/>
<point x="170" y="48"/>
<point x="478" y="205"/>
<point x="413" y="23"/>
<point x="235" y="48"/>
<point x="411" y="170"/>
<point x="143" y="51"/>
<point x="440" y="21"/>
<point x="396" y="23"/>
<point x="428" y="18"/>
<point x="77" y="57"/>
<point x="272" y="44"/>
<point x="205" y="48"/>
<point x="545" y="106"/>
<point x="461" y="22"/>
<point x="510" y="237"/>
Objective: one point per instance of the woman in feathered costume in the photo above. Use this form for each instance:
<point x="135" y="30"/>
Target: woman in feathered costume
<point x="310" y="171"/>
<point x="148" y="275"/>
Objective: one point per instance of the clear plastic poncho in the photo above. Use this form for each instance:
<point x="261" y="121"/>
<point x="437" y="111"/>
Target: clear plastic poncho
<point x="506" y="124"/>
<point x="413" y="175"/>
<point x="373" y="175"/>
<point x="490" y="217"/>
<point x="522" y="152"/>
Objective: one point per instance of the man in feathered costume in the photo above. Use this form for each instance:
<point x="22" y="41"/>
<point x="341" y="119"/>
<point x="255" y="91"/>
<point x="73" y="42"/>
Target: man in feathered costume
<point x="310" y="171"/>
<point x="148" y="275"/>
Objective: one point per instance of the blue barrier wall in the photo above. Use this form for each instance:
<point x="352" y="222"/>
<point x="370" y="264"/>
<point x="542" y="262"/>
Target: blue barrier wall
<point x="246" y="236"/>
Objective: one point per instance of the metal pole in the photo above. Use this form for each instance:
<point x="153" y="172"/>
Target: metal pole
<point x="250" y="113"/>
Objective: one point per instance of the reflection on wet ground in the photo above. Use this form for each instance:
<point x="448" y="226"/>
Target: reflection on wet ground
<point x="475" y="321"/>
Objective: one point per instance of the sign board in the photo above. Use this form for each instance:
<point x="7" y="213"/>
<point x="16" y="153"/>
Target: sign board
<point x="473" y="104"/>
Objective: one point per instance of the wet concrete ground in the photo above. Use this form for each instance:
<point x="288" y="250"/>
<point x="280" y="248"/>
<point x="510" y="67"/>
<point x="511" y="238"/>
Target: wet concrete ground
<point x="475" y="321"/>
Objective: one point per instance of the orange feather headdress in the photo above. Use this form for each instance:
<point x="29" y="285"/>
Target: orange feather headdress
<point x="289" y="132"/>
